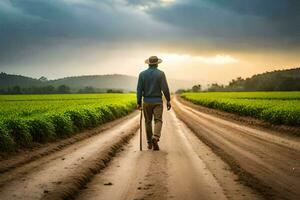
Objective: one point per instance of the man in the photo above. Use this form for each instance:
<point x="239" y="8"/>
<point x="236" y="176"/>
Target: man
<point x="152" y="82"/>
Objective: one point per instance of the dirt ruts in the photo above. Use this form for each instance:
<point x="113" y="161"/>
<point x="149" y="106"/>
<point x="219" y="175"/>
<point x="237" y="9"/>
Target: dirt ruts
<point x="72" y="184"/>
<point x="265" y="161"/>
<point x="282" y="130"/>
<point x="14" y="160"/>
<point x="184" y="168"/>
<point x="61" y="174"/>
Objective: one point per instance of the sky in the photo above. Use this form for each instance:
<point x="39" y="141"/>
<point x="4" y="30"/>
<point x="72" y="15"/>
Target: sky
<point x="201" y="40"/>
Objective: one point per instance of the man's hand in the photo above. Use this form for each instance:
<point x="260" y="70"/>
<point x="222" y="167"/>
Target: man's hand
<point x="139" y="106"/>
<point x="169" y="105"/>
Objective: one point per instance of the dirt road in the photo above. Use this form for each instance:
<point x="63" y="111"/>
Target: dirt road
<point x="185" y="167"/>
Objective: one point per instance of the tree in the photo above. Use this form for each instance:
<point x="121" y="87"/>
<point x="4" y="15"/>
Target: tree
<point x="43" y="79"/>
<point x="215" y="87"/>
<point x="16" y="90"/>
<point x="179" y="91"/>
<point x="88" y="89"/>
<point x="196" y="88"/>
<point x="63" y="89"/>
<point x="114" y="91"/>
<point x="49" y="89"/>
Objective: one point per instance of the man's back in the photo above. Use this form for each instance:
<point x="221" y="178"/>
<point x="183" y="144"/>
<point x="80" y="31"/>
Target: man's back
<point x="151" y="84"/>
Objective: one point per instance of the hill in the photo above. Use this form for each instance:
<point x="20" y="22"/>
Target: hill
<point x="279" y="80"/>
<point x="9" y="80"/>
<point x="114" y="81"/>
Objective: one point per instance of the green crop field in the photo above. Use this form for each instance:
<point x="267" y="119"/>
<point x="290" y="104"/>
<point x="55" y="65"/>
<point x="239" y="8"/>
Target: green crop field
<point x="25" y="119"/>
<point x="273" y="107"/>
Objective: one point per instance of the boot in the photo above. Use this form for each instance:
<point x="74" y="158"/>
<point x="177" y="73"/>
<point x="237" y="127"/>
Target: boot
<point x="155" y="144"/>
<point x="150" y="145"/>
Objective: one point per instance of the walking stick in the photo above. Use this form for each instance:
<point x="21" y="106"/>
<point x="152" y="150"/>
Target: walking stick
<point x="141" y="118"/>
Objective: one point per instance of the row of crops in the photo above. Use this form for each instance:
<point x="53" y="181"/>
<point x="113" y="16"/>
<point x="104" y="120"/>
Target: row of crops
<point x="273" y="107"/>
<point x="27" y="119"/>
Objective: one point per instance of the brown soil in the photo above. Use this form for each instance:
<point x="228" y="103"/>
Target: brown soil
<point x="184" y="168"/>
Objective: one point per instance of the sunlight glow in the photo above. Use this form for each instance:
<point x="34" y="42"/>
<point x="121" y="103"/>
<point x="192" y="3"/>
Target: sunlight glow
<point x="217" y="59"/>
<point x="150" y="5"/>
<point x="167" y="1"/>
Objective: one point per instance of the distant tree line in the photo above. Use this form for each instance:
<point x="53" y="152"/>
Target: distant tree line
<point x="114" y="91"/>
<point x="274" y="83"/>
<point x="195" y="88"/>
<point x="89" y="89"/>
<point x="271" y="83"/>
<point x="49" y="89"/>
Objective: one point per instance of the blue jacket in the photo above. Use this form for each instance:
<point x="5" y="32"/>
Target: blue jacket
<point x="152" y="82"/>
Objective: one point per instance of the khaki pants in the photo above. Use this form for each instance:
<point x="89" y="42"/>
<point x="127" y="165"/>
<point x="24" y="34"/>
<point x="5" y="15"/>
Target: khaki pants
<point x="153" y="110"/>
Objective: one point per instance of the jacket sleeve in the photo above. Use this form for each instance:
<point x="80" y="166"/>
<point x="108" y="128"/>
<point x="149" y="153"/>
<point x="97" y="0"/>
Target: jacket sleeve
<point x="165" y="87"/>
<point x="139" y="90"/>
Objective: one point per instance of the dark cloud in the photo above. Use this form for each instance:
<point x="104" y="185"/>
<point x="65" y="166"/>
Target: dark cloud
<point x="142" y="2"/>
<point x="266" y="8"/>
<point x="248" y="23"/>
<point x="283" y="15"/>
<point x="28" y="27"/>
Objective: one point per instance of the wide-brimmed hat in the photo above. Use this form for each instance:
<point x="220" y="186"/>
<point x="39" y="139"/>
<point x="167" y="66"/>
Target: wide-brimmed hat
<point x="153" y="60"/>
